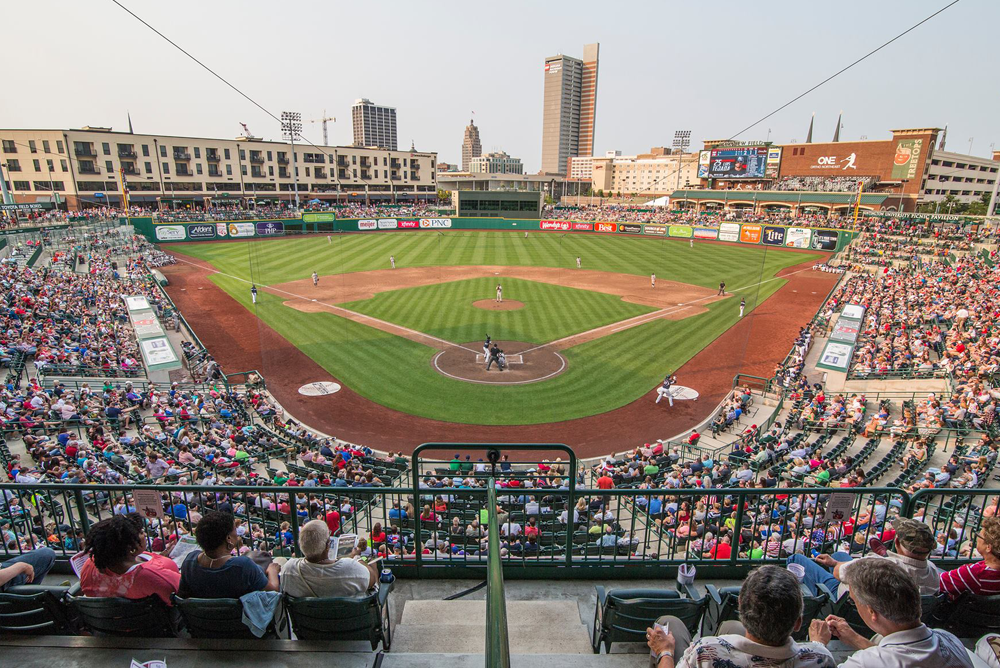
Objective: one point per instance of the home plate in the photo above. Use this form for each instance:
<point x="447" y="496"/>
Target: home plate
<point x="319" y="389"/>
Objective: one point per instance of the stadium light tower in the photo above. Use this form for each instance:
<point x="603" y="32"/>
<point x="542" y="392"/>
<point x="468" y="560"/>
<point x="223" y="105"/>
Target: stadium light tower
<point x="291" y="127"/>
<point x="682" y="141"/>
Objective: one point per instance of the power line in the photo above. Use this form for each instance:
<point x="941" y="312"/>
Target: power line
<point x="211" y="71"/>
<point x="821" y="83"/>
<point x="841" y="71"/>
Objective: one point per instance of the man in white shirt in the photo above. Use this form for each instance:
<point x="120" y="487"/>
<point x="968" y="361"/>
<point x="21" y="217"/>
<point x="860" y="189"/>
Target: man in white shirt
<point x="914" y="542"/>
<point x="770" y="606"/>
<point x="509" y="529"/>
<point x="888" y="601"/>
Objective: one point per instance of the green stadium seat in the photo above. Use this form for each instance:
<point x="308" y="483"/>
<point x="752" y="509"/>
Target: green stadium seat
<point x="929" y="606"/>
<point x="972" y="616"/>
<point x="122" y="617"/>
<point x="724" y="606"/>
<point x="623" y="615"/>
<point x="30" y="610"/>
<point x="215" y="618"/>
<point x="357" y="618"/>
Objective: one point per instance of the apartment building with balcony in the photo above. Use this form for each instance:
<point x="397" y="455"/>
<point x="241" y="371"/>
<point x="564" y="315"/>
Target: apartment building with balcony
<point x="82" y="168"/>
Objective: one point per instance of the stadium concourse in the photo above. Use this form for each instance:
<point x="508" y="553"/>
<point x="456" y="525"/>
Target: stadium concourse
<point x="196" y="502"/>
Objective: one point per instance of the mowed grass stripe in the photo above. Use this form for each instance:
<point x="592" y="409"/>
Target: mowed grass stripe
<point x="446" y="310"/>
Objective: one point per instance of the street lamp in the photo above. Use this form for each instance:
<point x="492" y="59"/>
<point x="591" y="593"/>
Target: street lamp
<point x="291" y="127"/>
<point x="682" y="141"/>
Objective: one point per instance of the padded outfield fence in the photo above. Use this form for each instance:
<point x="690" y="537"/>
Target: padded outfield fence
<point x="634" y="534"/>
<point x="776" y="236"/>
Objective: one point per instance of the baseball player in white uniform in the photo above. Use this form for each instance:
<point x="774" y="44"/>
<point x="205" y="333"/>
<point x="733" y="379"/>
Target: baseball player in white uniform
<point x="743" y="305"/>
<point x="664" y="390"/>
<point x="652" y="280"/>
<point x="315" y="279"/>
<point x="499" y="294"/>
<point x="392" y="261"/>
<point x="579" y="264"/>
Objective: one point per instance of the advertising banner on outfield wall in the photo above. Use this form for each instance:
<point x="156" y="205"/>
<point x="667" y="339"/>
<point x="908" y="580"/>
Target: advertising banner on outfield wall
<point x="435" y="222"/>
<point x="387" y="224"/>
<point x="774" y="236"/>
<point x="241" y="229"/>
<point x="705" y="233"/>
<point x="408" y="224"/>
<point x="270" y="229"/>
<point x="203" y="231"/>
<point x="559" y="225"/>
<point x="825" y="240"/>
<point x="682" y="231"/>
<point x="367" y="224"/>
<point x="629" y="228"/>
<point x="583" y="227"/>
<point x="797" y="237"/>
<point x="222" y="229"/>
<point x="658" y="230"/>
<point x="170" y="232"/>
<point x="729" y="232"/>
<point x="605" y="227"/>
<point x="750" y="234"/>
<point x="323" y="217"/>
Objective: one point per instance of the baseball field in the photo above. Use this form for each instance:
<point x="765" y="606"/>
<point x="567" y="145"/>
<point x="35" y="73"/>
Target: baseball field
<point x="580" y="341"/>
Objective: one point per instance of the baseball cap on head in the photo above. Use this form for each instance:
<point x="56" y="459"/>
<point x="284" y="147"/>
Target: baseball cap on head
<point x="914" y="536"/>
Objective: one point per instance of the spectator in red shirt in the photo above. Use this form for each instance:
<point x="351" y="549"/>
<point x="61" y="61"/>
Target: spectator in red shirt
<point x="605" y="482"/>
<point x="983" y="577"/>
<point x="722" y="549"/>
<point x="333" y="521"/>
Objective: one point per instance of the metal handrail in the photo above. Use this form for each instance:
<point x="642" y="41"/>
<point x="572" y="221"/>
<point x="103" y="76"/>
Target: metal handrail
<point x="497" y="642"/>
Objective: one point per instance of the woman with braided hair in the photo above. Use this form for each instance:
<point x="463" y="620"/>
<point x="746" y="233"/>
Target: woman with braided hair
<point x="120" y="566"/>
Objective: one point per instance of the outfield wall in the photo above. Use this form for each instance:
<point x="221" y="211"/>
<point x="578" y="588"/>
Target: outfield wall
<point x="323" y="222"/>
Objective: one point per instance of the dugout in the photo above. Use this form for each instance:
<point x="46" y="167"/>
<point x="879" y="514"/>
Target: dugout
<point x="498" y="204"/>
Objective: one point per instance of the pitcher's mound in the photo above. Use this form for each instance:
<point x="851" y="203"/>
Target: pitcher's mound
<point x="492" y="305"/>
<point x="526" y="363"/>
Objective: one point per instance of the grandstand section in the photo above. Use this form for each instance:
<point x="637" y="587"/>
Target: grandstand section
<point x="793" y="460"/>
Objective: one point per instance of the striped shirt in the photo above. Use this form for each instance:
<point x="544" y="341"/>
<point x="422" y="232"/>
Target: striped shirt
<point x="976" y="578"/>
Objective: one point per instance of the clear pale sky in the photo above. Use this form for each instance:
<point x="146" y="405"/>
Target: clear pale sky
<point x="710" y="67"/>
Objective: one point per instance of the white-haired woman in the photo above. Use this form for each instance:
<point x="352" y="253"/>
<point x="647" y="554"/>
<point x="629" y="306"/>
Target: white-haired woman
<point x="319" y="576"/>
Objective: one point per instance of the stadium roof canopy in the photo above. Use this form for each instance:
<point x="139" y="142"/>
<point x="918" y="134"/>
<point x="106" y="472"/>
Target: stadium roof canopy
<point x="778" y="196"/>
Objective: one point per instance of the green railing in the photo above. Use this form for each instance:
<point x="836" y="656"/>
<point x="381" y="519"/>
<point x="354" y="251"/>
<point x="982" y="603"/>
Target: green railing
<point x="634" y="538"/>
<point x="35" y="255"/>
<point x="497" y="643"/>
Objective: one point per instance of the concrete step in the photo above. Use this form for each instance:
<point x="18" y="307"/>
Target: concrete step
<point x="473" y="613"/>
<point x="456" y="627"/>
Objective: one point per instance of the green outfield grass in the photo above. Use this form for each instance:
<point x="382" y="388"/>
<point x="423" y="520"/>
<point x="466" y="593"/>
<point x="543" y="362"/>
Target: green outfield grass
<point x="550" y="311"/>
<point x="602" y="375"/>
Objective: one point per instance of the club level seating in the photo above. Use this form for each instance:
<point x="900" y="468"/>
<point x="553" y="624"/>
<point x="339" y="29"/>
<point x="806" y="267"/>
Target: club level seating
<point x="35" y="611"/>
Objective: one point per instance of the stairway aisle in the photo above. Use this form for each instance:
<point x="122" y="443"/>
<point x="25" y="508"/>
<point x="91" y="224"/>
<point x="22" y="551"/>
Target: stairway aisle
<point x="541" y="633"/>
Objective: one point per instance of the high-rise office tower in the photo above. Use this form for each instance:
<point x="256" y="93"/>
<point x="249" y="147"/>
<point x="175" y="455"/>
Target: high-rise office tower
<point x="374" y="125"/>
<point x="570" y="108"/>
<point x="471" y="146"/>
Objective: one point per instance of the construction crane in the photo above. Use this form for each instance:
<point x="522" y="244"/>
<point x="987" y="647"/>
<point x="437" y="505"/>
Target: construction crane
<point x="323" y="120"/>
<point x="246" y="131"/>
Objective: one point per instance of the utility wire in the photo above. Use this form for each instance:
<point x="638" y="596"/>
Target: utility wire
<point x="824" y="81"/>
<point x="213" y="72"/>
<point x="841" y="71"/>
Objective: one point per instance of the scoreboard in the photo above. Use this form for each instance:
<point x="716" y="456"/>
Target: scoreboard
<point x="748" y="162"/>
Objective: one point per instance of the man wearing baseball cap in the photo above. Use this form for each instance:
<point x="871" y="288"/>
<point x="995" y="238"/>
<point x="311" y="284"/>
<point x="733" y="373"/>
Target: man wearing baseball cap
<point x="913" y="544"/>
